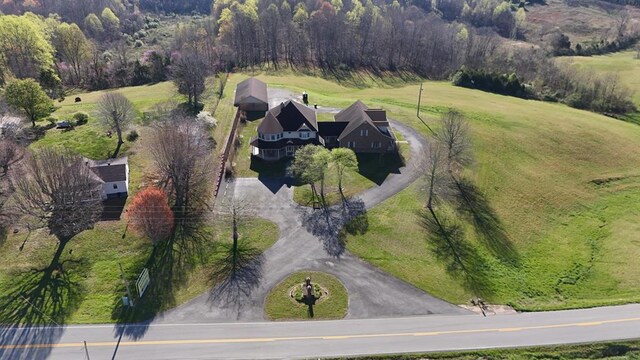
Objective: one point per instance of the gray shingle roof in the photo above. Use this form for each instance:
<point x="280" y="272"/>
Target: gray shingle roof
<point x="291" y="115"/>
<point x="270" y="125"/>
<point x="111" y="170"/>
<point x="251" y="87"/>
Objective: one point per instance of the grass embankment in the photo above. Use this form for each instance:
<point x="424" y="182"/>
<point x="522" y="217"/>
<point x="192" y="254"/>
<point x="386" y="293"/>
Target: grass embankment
<point x="605" y="351"/>
<point x="90" y="288"/>
<point x="561" y="185"/>
<point x="280" y="306"/>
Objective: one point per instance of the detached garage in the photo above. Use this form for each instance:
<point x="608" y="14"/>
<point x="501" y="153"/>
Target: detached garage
<point x="251" y="95"/>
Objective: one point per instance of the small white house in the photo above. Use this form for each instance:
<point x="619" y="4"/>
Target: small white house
<point x="114" y="176"/>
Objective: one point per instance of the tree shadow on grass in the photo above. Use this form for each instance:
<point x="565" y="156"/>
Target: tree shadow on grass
<point x="40" y="300"/>
<point x="377" y="167"/>
<point x="462" y="261"/>
<point x="474" y="206"/>
<point x="330" y="224"/>
<point x="168" y="266"/>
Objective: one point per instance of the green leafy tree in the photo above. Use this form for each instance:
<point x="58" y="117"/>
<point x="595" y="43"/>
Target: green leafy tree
<point x="93" y="25"/>
<point x="301" y="167"/>
<point x="25" y="50"/>
<point x="73" y="48"/>
<point x="320" y="166"/>
<point x="28" y="96"/>
<point x="110" y="21"/>
<point x="504" y="20"/>
<point x="343" y="159"/>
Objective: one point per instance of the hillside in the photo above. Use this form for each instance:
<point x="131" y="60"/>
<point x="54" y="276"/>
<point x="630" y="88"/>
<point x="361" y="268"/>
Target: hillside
<point x="625" y="64"/>
<point x="563" y="183"/>
<point x="582" y="21"/>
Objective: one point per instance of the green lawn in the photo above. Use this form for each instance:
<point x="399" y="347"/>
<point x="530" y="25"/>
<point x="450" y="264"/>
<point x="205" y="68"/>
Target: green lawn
<point x="372" y="171"/>
<point x="280" y="306"/>
<point x="92" y="292"/>
<point x="534" y="163"/>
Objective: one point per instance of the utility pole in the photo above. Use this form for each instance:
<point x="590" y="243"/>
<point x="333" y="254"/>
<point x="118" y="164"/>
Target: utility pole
<point x="126" y="284"/>
<point x="418" y="112"/>
<point x="419" y="98"/>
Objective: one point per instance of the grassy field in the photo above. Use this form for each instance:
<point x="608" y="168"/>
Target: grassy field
<point x="606" y="351"/>
<point x="280" y="306"/>
<point x="537" y="165"/>
<point x="90" y="139"/>
<point x="625" y="64"/>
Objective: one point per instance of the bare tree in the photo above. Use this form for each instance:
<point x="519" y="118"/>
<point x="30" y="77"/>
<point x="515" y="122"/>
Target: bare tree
<point x="115" y="112"/>
<point x="455" y="138"/>
<point x="9" y="154"/>
<point x="55" y="189"/>
<point x="182" y="153"/>
<point x="621" y="23"/>
<point x="189" y="72"/>
<point x="237" y="254"/>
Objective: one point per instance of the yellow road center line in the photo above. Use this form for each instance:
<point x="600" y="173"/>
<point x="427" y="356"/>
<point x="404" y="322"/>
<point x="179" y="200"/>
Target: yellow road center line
<point x="298" y="338"/>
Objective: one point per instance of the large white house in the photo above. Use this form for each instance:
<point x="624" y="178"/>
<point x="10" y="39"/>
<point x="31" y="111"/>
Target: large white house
<point x="114" y="176"/>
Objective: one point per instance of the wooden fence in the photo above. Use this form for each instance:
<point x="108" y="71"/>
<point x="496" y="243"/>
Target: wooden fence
<point x="227" y="153"/>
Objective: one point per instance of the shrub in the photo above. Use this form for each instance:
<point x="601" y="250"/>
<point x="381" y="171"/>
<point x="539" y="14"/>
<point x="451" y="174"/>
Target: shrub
<point x="80" y="118"/>
<point x="132" y="136"/>
<point x="206" y="118"/>
<point x="297" y="293"/>
<point x="489" y="81"/>
<point x="51" y="120"/>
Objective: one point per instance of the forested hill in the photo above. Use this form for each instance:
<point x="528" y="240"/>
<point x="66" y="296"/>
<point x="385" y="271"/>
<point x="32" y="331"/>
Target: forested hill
<point x="98" y="44"/>
<point x="77" y="10"/>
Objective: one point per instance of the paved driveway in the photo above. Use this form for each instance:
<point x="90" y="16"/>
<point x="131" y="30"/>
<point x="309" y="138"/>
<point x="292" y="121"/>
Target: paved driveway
<point x="308" y="241"/>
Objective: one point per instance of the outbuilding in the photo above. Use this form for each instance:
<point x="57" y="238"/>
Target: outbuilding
<point x="113" y="174"/>
<point x="251" y="96"/>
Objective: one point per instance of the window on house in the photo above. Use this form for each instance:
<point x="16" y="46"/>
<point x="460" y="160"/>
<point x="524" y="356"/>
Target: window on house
<point x="304" y="134"/>
<point x="376" y="145"/>
<point x="115" y="186"/>
<point x="351" y="144"/>
<point x="364" y="132"/>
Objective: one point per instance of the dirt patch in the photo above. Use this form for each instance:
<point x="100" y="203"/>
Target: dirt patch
<point x="490" y="310"/>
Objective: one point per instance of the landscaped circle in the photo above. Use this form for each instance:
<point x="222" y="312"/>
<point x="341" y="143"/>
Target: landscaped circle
<point x="286" y="301"/>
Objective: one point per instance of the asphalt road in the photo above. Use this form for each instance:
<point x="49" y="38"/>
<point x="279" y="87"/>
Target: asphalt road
<point x="264" y="340"/>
